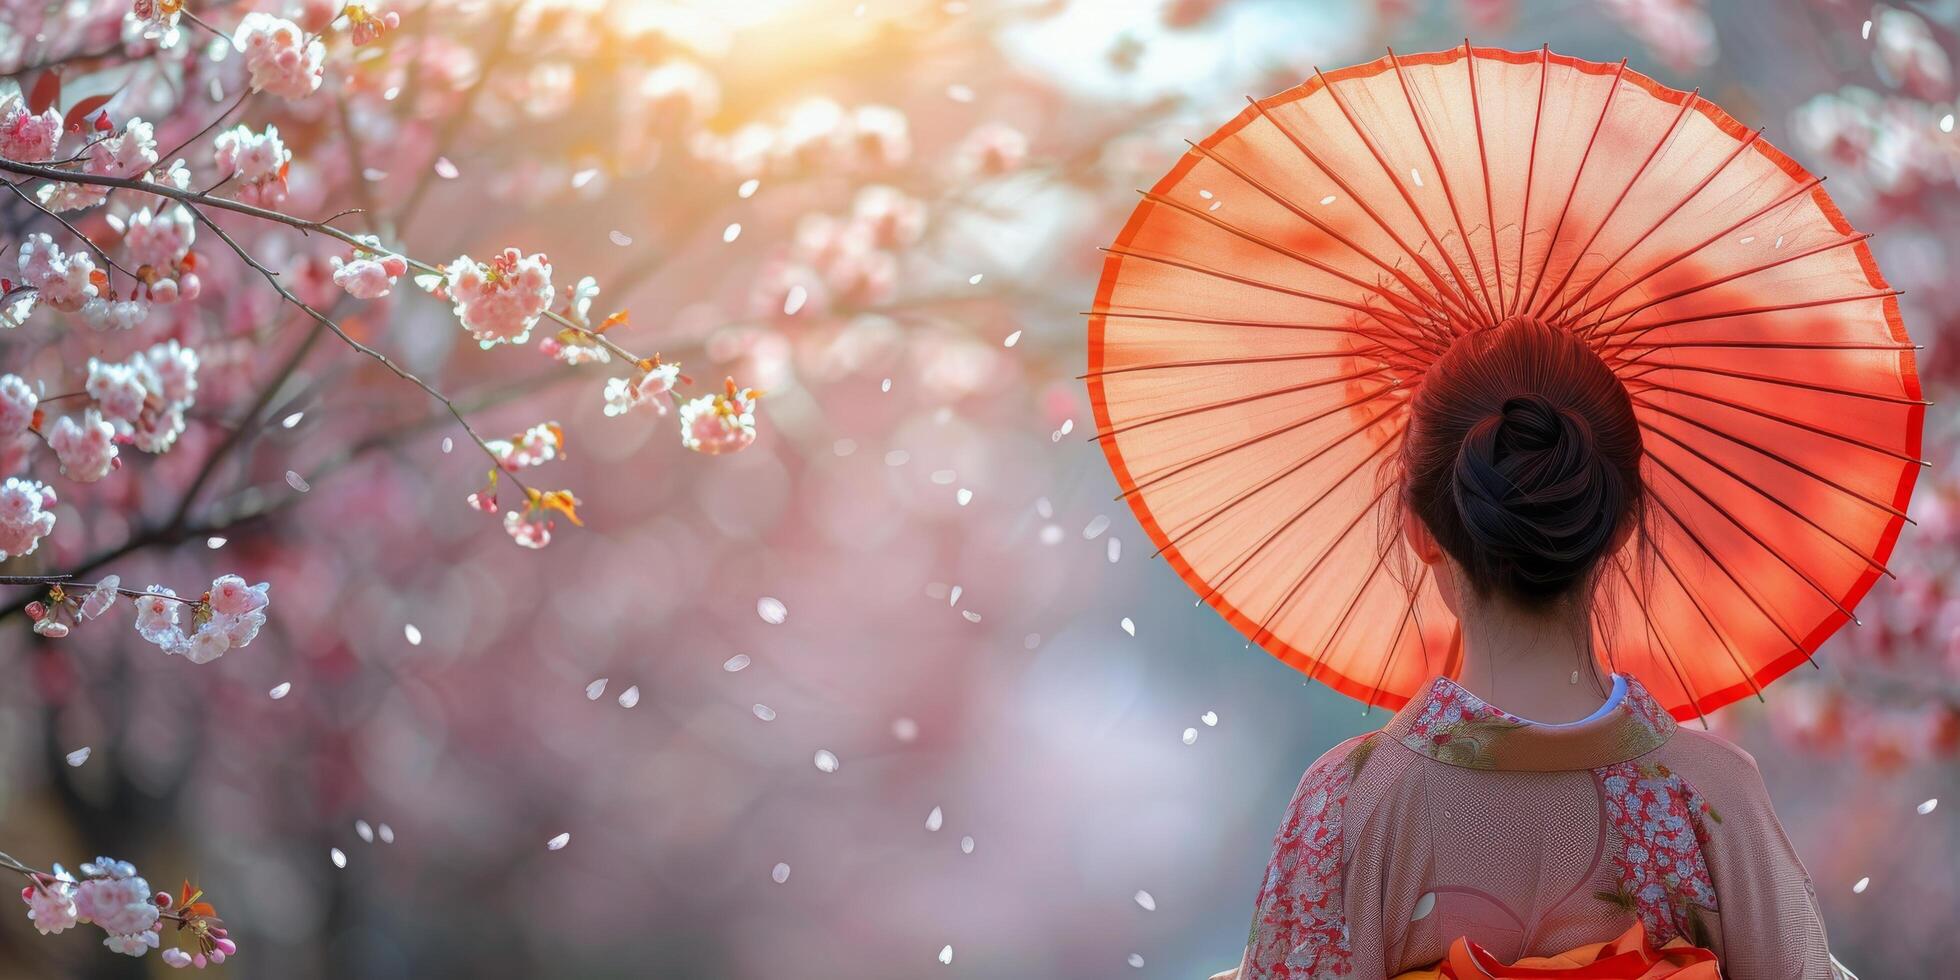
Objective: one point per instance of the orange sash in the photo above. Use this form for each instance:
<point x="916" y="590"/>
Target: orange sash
<point x="1629" y="957"/>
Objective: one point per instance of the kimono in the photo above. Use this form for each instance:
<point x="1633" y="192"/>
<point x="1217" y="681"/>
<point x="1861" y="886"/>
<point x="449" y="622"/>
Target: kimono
<point x="1459" y="819"/>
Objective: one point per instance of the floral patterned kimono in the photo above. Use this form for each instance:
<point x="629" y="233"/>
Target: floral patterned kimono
<point x="1460" y="819"/>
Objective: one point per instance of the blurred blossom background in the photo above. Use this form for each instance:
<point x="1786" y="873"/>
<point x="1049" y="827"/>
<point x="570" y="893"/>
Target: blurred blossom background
<point x="903" y="674"/>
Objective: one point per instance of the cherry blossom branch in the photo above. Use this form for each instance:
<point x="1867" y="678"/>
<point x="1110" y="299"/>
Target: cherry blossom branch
<point x="327" y="322"/>
<point x="97" y="249"/>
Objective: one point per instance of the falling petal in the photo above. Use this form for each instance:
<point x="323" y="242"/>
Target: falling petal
<point x="1190" y="736"/>
<point x="1051" y="534"/>
<point x="1129" y="627"/>
<point x="214" y="542"/>
<point x="735" y="663"/>
<point x="971" y="616"/>
<point x="596" y="688"/>
<point x="935" y="819"/>
<point x="794" y="300"/>
<point x="1136" y="960"/>
<point x="297" y="482"/>
<point x="946" y="955"/>
<point x="974" y="280"/>
<point x="772" y="610"/>
<point x="387" y="834"/>
<point x="79" y="756"/>
<point x="954" y="596"/>
<point x="1031" y="641"/>
<point x="445" y="169"/>
<point x="1415" y="175"/>
<point x="448" y="444"/>
<point x="964" y="496"/>
<point x="1329" y="199"/>
<point x="764" y="712"/>
<point x="966" y="845"/>
<point x="1859" y="888"/>
<point x="959" y="93"/>
<point x="619" y="238"/>
<point x="885" y="385"/>
<point x="1096" y="526"/>
<point x="905" y="729"/>
<point x="732" y="232"/>
<point x="363" y="831"/>
<point x="339" y="857"/>
<point x="558" y="843"/>
<point x="779" y="873"/>
<point x="1946" y="123"/>
<point x="1210" y="718"/>
<point x="413" y="633"/>
<point x="1148" y="902"/>
<point x="748" y="188"/>
<point x="291" y="420"/>
<point x="1115" y="549"/>
<point x="280" y="691"/>
<point x="1424" y="905"/>
<point x="1867" y="33"/>
<point x="826" y="761"/>
<point x="1012" y="339"/>
<point x="630" y="696"/>
<point x="897" y="457"/>
<point x="1928" y="806"/>
<point x="584" y="177"/>
<point x="1068" y="426"/>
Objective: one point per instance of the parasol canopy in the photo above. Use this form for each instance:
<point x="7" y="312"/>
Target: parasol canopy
<point x="1267" y="313"/>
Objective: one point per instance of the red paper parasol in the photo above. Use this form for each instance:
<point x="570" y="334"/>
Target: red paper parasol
<point x="1268" y="311"/>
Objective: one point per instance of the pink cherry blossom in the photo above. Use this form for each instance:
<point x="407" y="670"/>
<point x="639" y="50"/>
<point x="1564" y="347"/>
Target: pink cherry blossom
<point x="719" y="423"/>
<point x="87" y="449"/>
<point x="371" y="272"/>
<point x="17" y="404"/>
<point x="108" y="314"/>
<point x="649" y="392"/>
<point x="24" y="518"/>
<point x="894" y="218"/>
<point x="278" y="55"/>
<point x="128" y="154"/>
<point x="367" y="27"/>
<point x="24" y="136"/>
<point x="232" y="597"/>
<point x="50" y="904"/>
<point x="529" y="530"/>
<point x="63" y="278"/>
<point x="535" y="446"/>
<point x="117" y="387"/>
<point x="119" y="902"/>
<point x="255" y="163"/>
<point x="160" y="239"/>
<point x="501" y="301"/>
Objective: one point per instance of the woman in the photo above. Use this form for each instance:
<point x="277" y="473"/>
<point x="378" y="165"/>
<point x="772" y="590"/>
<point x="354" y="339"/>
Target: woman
<point x="1532" y="805"/>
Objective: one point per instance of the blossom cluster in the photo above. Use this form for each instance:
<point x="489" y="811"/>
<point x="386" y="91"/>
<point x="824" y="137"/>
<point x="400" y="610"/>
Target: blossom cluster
<point x="501" y="300"/>
<point x="281" y="58"/>
<point x="128" y="155"/>
<point x="256" y="163"/>
<point x="114" y="897"/>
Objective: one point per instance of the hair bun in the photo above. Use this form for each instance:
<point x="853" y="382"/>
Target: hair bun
<point x="1535" y="494"/>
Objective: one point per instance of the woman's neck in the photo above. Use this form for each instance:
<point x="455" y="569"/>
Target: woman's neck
<point x="1525" y="661"/>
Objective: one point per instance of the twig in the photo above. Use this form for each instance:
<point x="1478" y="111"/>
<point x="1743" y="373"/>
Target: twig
<point x="97" y="249"/>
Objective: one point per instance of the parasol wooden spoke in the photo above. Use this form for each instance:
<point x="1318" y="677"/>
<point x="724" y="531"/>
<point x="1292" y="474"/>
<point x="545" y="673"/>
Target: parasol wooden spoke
<point x="1580" y="255"/>
<point x="1253" y="551"/>
<point x="1599" y="305"/>
<point x="1287" y="599"/>
<point x="1652" y="367"/>
<point x="1779" y="262"/>
<point x="1367" y="352"/>
<point x="1294" y="254"/>
<point x="1395" y="645"/>
<point x="1792" y="509"/>
<point x="1407" y="198"/>
<point x="1443" y="176"/>
<point x="1551" y="245"/>
<point x="1183" y="413"/>
<point x="1778" y="457"/>
<point x="1694" y="192"/>
<point x="1483" y="160"/>
<point x="1443" y="292"/>
<point x="1182" y="466"/>
<point x="1613" y="346"/>
<point x="1739" y="525"/>
<point x="1433" y="305"/>
<point x="1843" y="437"/>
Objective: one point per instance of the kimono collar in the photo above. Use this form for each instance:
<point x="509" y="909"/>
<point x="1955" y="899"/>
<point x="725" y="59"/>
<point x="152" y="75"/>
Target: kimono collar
<point x="1452" y="725"/>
